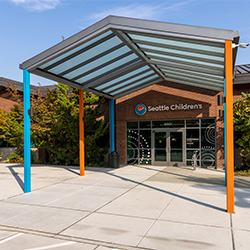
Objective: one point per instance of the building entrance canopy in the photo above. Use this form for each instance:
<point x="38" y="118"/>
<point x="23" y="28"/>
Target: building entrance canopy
<point x="118" y="55"/>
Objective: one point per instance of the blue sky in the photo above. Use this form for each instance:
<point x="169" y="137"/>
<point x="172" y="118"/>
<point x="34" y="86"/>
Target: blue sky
<point x="31" y="26"/>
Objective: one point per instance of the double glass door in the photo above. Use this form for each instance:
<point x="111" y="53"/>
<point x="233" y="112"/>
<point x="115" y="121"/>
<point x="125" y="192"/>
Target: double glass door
<point x="168" y="147"/>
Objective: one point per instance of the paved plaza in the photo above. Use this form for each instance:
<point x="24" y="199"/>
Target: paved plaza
<point x="133" y="207"/>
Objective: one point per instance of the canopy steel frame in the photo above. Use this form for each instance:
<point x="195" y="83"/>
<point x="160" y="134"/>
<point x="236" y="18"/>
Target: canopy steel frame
<point x="185" y="63"/>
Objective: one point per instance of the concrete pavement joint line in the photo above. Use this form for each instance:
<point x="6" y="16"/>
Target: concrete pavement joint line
<point x="52" y="184"/>
<point x="53" y="246"/>
<point x="194" y="224"/>
<point x="43" y="206"/>
<point x="10" y="238"/>
<point x="27" y="231"/>
<point x="127" y="215"/>
<point x="232" y="231"/>
<point x="90" y="213"/>
<point x="138" y="183"/>
<point x="87" y="187"/>
<point x="158" y="217"/>
<point x="21" y="213"/>
<point x="70" y="238"/>
<point x="166" y="220"/>
<point x="100" y="243"/>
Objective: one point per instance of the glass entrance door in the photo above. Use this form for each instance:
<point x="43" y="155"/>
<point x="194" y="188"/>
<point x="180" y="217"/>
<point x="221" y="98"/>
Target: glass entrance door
<point x="168" y="148"/>
<point x="176" y="147"/>
<point x="160" y="147"/>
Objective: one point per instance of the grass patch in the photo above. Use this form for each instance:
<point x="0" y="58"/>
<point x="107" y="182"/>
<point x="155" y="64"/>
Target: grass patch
<point x="242" y="173"/>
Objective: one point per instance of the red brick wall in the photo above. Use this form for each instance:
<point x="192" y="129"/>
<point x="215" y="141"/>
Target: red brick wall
<point x="238" y="89"/>
<point x="167" y="94"/>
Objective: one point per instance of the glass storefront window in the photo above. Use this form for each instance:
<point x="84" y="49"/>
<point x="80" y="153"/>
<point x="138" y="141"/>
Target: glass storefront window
<point x="190" y="163"/>
<point x="176" y="146"/>
<point x="193" y="123"/>
<point x="192" y="138"/>
<point x="132" y="125"/>
<point x="208" y="158"/>
<point x="146" y="162"/>
<point x="145" y="124"/>
<point x="208" y="138"/>
<point x="200" y="135"/>
<point x="145" y="139"/>
<point x="132" y="161"/>
<point x="190" y="153"/>
<point x="205" y="122"/>
<point x="208" y="164"/>
<point x="132" y="139"/>
<point x="132" y="153"/>
<point x="168" y="124"/>
<point x="145" y="153"/>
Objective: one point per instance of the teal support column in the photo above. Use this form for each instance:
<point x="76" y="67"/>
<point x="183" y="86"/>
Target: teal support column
<point x="26" y="117"/>
<point x="112" y="124"/>
<point x="225" y="132"/>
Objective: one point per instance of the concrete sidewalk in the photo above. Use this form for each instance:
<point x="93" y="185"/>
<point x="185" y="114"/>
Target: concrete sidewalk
<point x="134" y="207"/>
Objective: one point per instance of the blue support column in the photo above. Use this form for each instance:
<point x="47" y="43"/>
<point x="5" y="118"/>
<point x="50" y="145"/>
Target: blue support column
<point x="112" y="124"/>
<point x="26" y="117"/>
<point x="225" y="132"/>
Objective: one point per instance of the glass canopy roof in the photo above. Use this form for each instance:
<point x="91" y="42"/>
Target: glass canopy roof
<point x="114" y="58"/>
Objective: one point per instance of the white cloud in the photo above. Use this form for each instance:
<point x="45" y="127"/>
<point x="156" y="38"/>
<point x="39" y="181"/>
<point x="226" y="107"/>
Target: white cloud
<point x="37" y="5"/>
<point x="137" y="11"/>
<point x="143" y="11"/>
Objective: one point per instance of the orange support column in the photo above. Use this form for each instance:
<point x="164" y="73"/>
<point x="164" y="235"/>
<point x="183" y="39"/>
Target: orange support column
<point x="81" y="132"/>
<point x="229" y="125"/>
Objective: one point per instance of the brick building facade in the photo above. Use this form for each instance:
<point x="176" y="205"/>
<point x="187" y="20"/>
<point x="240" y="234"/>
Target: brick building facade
<point x="166" y="103"/>
<point x="200" y="106"/>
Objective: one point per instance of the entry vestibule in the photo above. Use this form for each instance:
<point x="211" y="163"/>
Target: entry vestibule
<point x="168" y="147"/>
<point x="172" y="142"/>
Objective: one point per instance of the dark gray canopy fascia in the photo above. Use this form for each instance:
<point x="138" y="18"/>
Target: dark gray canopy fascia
<point x="118" y="55"/>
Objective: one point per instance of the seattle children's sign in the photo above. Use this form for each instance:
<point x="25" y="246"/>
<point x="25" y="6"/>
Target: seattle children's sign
<point x="141" y="109"/>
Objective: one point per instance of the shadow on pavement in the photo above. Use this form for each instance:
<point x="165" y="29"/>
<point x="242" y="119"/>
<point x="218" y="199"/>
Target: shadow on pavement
<point x="16" y="176"/>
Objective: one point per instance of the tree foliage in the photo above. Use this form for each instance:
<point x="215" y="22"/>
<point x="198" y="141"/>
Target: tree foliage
<point x="55" y="124"/>
<point x="242" y="126"/>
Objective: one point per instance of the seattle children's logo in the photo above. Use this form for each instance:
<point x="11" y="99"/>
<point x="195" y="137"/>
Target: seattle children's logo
<point x="140" y="109"/>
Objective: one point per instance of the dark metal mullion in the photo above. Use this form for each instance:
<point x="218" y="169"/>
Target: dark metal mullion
<point x="92" y="59"/>
<point x="54" y="77"/>
<point x="195" y="73"/>
<point x="99" y="93"/>
<point x="102" y="66"/>
<point x="143" y="42"/>
<point x="130" y="83"/>
<point x="104" y="39"/>
<point x="183" y="56"/>
<point x="179" y="39"/>
<point x="190" y="81"/>
<point x="141" y="86"/>
<point x="187" y="67"/>
<point x="191" y="76"/>
<point x="134" y="47"/>
<point x="193" y="84"/>
<point x="126" y="79"/>
<point x="184" y="63"/>
<point x="112" y="74"/>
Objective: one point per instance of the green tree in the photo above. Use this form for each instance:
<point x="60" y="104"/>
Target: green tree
<point x="11" y="126"/>
<point x="55" y="124"/>
<point x="242" y="126"/>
